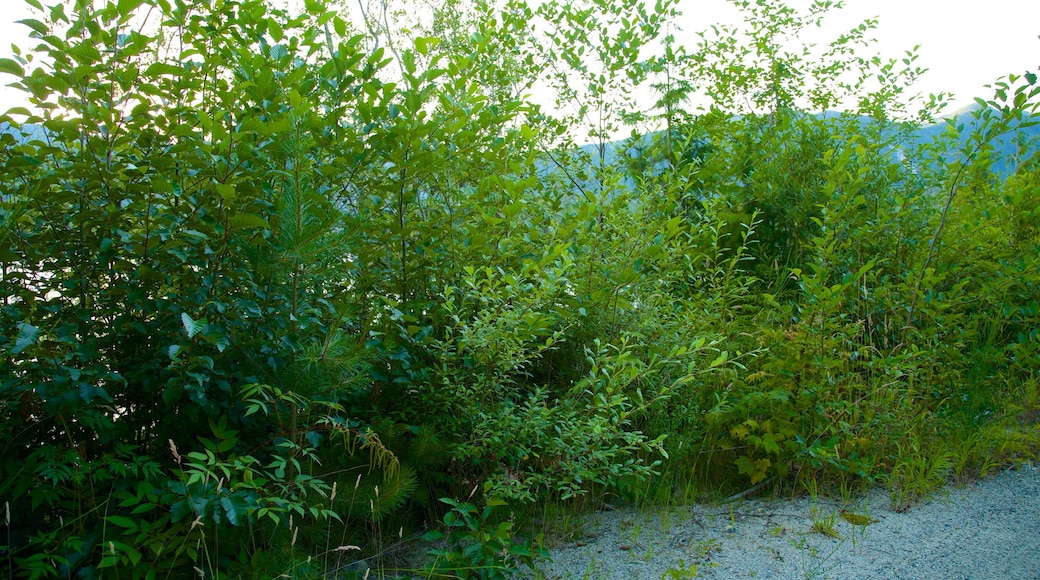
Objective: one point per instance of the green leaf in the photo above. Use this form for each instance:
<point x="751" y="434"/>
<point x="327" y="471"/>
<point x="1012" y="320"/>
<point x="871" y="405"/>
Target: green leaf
<point x="89" y="391"/>
<point x="126" y="7"/>
<point x="226" y="191"/>
<point x="22" y="161"/>
<point x="162" y="68"/>
<point x="275" y="29"/>
<point x="769" y="444"/>
<point x="36" y="25"/>
<point x="85" y="53"/>
<point x="122" y="521"/>
<point x="252" y="125"/>
<point x="720" y="360"/>
<point x="227" y="445"/>
<point x="193" y="327"/>
<point x="27" y="336"/>
<point x="11" y="67"/>
<point x="219" y="340"/>
<point x="424" y="43"/>
<point x="247" y="221"/>
<point x="232" y="509"/>
<point x="857" y="519"/>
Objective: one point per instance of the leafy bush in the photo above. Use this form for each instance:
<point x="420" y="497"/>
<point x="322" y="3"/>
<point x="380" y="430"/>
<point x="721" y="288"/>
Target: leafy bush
<point x="273" y="285"/>
<point x="477" y="547"/>
<point x="179" y="343"/>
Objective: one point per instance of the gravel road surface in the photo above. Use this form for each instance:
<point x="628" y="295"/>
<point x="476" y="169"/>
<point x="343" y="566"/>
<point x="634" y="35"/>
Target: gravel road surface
<point x="989" y="529"/>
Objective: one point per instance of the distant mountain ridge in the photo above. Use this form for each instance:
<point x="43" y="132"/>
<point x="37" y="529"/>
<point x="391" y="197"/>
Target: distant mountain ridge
<point x="1005" y="146"/>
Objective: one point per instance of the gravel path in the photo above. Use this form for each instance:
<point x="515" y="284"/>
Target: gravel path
<point x="990" y="529"/>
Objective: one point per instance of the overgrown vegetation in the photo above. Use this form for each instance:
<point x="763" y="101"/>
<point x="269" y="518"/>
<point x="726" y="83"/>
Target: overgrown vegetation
<point x="276" y="283"/>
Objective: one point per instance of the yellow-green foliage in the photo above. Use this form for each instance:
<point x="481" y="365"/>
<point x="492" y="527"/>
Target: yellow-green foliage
<point x="256" y="266"/>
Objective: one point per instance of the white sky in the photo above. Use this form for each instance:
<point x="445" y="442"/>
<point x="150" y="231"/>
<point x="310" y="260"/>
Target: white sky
<point x="965" y="45"/>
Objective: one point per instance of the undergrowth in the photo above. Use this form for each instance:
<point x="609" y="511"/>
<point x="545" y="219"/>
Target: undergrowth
<point x="284" y="293"/>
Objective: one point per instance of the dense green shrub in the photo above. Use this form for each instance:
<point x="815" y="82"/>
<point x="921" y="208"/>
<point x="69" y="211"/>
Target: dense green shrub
<point x="273" y="285"/>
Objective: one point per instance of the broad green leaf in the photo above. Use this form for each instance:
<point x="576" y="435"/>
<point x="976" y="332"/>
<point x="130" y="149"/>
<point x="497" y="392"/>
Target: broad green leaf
<point x="36" y="25"/>
<point x="85" y="53"/>
<point x="161" y="186"/>
<point x="251" y="125"/>
<point x="227" y="445"/>
<point x="720" y="360"/>
<point x="248" y="221"/>
<point x="21" y="161"/>
<point x="193" y="327"/>
<point x="122" y="521"/>
<point x="770" y="444"/>
<point x="275" y="29"/>
<point x="11" y="67"/>
<point x="424" y="43"/>
<point x="235" y="507"/>
<point x="162" y="68"/>
<point x="89" y="391"/>
<point x="27" y="336"/>
<point x="217" y="339"/>
<point x="227" y="192"/>
<point x="126" y="7"/>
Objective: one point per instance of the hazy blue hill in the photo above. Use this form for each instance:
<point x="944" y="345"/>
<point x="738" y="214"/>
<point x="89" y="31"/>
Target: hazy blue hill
<point x="1006" y="146"/>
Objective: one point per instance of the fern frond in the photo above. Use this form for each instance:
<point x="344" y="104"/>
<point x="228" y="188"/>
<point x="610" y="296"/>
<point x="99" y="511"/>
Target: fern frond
<point x="379" y="457"/>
